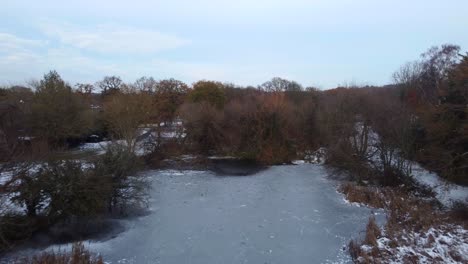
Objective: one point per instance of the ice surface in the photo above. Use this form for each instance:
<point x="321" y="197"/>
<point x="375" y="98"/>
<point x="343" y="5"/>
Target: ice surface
<point x="285" y="214"/>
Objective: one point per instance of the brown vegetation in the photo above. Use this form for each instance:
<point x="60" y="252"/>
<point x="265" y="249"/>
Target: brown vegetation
<point x="78" y="255"/>
<point x="406" y="214"/>
<point x="57" y="114"/>
<point x="372" y="133"/>
<point x="371" y="196"/>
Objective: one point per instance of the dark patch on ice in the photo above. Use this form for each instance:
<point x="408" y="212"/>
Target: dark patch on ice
<point x="96" y="230"/>
<point x="235" y="167"/>
<point x="73" y="231"/>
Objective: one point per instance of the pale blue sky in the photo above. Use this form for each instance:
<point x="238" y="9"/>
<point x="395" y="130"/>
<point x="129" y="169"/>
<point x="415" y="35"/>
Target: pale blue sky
<point x="315" y="42"/>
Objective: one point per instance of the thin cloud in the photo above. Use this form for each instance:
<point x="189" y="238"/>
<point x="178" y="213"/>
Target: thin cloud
<point x="9" y="43"/>
<point x="111" y="39"/>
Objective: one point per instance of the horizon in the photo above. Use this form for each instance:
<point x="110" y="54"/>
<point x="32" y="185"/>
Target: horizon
<point x="325" y="44"/>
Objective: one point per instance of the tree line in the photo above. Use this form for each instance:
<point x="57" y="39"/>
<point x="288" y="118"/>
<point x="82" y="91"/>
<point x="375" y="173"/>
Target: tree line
<point x="372" y="132"/>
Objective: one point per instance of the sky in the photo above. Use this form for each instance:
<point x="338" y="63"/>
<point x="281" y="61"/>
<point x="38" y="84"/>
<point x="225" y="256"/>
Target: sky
<point x="321" y="43"/>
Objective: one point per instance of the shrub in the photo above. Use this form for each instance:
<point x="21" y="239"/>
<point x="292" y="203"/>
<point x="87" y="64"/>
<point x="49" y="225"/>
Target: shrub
<point x="63" y="194"/>
<point x="15" y="228"/>
<point x="74" y="191"/>
<point x="370" y="196"/>
<point x="78" y="255"/>
<point x="57" y="112"/>
<point x="372" y="232"/>
<point x="119" y="166"/>
<point x="203" y="123"/>
<point x="60" y="190"/>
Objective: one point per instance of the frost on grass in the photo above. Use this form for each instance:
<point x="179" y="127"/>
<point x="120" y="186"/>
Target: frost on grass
<point x="415" y="231"/>
<point x="442" y="244"/>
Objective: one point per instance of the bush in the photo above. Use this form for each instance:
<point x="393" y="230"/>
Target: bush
<point x="74" y="191"/>
<point x="66" y="195"/>
<point x="57" y="112"/>
<point x="60" y="190"/>
<point x="360" y="194"/>
<point x="15" y="228"/>
<point x="202" y="122"/>
<point x="119" y="166"/>
<point x="372" y="232"/>
<point x="78" y="255"/>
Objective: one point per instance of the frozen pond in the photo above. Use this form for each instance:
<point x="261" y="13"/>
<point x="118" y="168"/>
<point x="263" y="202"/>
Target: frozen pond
<point x="285" y="214"/>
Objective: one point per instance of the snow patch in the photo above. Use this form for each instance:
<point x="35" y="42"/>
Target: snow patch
<point x="444" y="244"/>
<point x="446" y="192"/>
<point x="315" y="157"/>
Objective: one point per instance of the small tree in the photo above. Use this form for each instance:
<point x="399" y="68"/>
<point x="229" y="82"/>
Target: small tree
<point x="120" y="166"/>
<point x="276" y="129"/>
<point x="422" y="81"/>
<point x="110" y="84"/>
<point x="393" y="123"/>
<point x="208" y="91"/>
<point x="84" y="88"/>
<point x="59" y="190"/>
<point x="145" y="84"/>
<point x="169" y="96"/>
<point x="261" y="126"/>
<point x="29" y="192"/>
<point x="281" y="85"/>
<point x="74" y="191"/>
<point x="202" y="123"/>
<point x="124" y="112"/>
<point x="57" y="113"/>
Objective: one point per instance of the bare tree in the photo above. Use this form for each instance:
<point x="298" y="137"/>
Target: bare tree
<point x="125" y="112"/>
<point x="170" y="94"/>
<point x="84" y="88"/>
<point x="202" y="122"/>
<point x="146" y="84"/>
<point x="110" y="84"/>
<point x="427" y="76"/>
<point x="280" y="85"/>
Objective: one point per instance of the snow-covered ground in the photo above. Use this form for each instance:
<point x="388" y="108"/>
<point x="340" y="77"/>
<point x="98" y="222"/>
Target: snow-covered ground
<point x="446" y="192"/>
<point x="314" y="157"/>
<point x="442" y="244"/>
<point x="147" y="136"/>
<point x="100" y="147"/>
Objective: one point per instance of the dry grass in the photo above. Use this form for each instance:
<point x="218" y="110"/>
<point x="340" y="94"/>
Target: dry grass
<point x="366" y="251"/>
<point x="372" y="232"/>
<point x="78" y="255"/>
<point x="370" y="196"/>
<point x="402" y="207"/>
<point x="405" y="214"/>
<point x="459" y="213"/>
